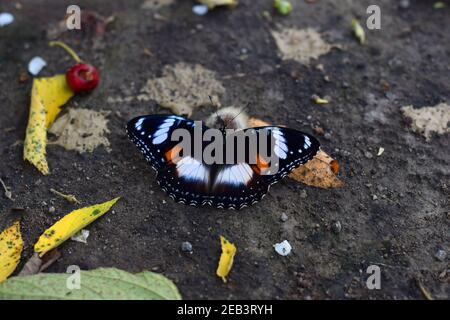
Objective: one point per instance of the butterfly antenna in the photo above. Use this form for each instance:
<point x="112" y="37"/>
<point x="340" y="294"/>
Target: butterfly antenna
<point x="242" y="110"/>
<point x="224" y="125"/>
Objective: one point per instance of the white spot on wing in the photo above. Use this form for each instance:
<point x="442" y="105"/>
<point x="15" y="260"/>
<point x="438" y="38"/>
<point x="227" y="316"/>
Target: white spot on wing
<point x="192" y="169"/>
<point x="160" y="139"/>
<point x="236" y="175"/>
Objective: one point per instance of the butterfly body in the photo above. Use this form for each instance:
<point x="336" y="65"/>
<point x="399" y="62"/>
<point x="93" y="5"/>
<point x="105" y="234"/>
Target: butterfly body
<point x="234" y="181"/>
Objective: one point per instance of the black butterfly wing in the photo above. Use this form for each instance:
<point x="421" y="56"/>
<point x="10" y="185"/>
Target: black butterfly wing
<point x="183" y="177"/>
<point x="291" y="147"/>
<point x="242" y="184"/>
<point x="233" y="186"/>
<point x="152" y="135"/>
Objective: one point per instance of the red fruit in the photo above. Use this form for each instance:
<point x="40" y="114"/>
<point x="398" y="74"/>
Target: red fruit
<point x="82" y="77"/>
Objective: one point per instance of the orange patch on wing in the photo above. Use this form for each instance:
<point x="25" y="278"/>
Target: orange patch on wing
<point x="173" y="154"/>
<point x="261" y="165"/>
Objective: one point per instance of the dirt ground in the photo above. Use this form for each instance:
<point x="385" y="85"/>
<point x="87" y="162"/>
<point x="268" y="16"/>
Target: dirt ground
<point x="394" y="208"/>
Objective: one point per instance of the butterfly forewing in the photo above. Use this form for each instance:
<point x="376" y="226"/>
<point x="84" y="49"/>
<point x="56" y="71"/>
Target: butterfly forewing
<point x="152" y="135"/>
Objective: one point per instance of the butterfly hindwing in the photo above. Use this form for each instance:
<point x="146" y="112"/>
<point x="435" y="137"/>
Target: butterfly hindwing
<point x="242" y="184"/>
<point x="290" y="147"/>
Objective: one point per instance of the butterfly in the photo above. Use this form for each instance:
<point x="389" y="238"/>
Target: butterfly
<point x="235" y="184"/>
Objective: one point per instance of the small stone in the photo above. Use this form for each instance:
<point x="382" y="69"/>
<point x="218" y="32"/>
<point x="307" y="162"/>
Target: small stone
<point x="283" y="248"/>
<point x="51" y="209"/>
<point x="441" y="255"/>
<point x="284" y="217"/>
<point x="345" y="85"/>
<point x="374" y="197"/>
<point x="200" y="9"/>
<point x="35" y="65"/>
<point x="6" y="18"/>
<point x="186" y="246"/>
<point x="404" y="4"/>
<point x="368" y="155"/>
<point x="303" y="194"/>
<point x="336" y="227"/>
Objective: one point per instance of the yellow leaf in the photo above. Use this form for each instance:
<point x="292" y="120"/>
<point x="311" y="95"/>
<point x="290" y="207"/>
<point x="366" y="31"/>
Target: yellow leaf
<point x="358" y="31"/>
<point x="11" y="245"/>
<point x="215" y="3"/>
<point x="317" y="99"/>
<point x="70" y="224"/>
<point x="226" y="258"/>
<point x="47" y="96"/>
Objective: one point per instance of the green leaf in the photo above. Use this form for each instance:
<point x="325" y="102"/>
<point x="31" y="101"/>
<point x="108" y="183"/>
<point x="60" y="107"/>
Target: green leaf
<point x="98" y="284"/>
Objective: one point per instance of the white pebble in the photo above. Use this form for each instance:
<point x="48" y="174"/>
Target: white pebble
<point x="35" y="65"/>
<point x="283" y="248"/>
<point x="81" y="236"/>
<point x="6" y="18"/>
<point x="200" y="9"/>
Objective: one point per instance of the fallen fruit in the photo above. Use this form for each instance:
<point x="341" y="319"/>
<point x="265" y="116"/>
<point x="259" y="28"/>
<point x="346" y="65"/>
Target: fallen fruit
<point x="82" y="76"/>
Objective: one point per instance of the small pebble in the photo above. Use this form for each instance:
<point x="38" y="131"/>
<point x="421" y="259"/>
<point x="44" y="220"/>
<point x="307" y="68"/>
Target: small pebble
<point x="374" y="197"/>
<point x="284" y="217"/>
<point x="441" y="255"/>
<point x="51" y="209"/>
<point x="336" y="227"/>
<point x="303" y="194"/>
<point x="283" y="248"/>
<point x="35" y="65"/>
<point x="186" y="246"/>
<point x="200" y="9"/>
<point x="404" y="4"/>
<point x="6" y="18"/>
<point x="368" y="155"/>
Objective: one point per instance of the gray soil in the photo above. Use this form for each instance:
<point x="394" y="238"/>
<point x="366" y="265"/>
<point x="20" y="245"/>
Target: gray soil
<point x="393" y="209"/>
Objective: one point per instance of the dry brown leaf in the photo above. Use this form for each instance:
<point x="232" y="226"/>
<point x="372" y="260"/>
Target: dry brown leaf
<point x="320" y="172"/>
<point x="36" y="264"/>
